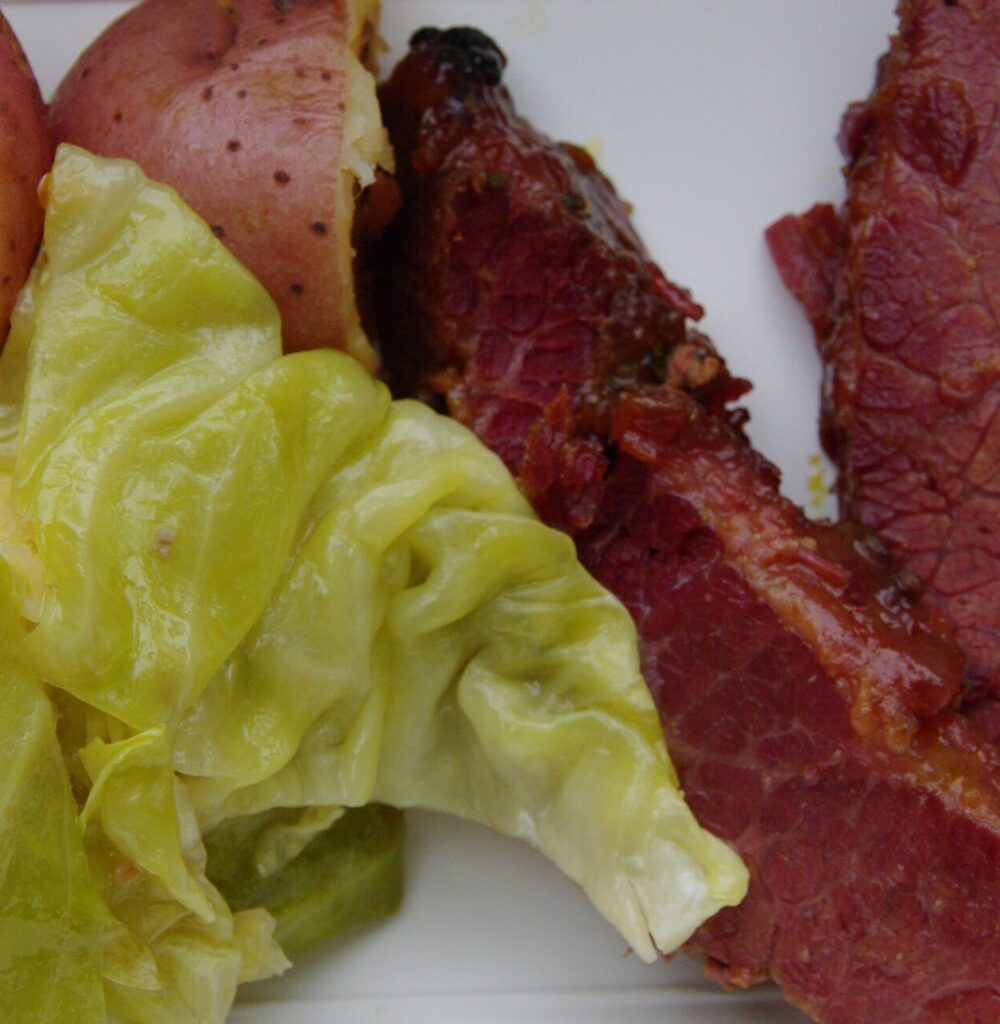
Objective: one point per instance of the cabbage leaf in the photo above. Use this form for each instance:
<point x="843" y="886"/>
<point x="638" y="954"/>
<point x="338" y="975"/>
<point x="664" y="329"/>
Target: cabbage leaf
<point x="269" y="587"/>
<point x="50" y="916"/>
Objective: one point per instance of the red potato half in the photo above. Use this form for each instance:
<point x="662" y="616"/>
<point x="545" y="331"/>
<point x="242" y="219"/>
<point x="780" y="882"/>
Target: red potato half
<point x="25" y="155"/>
<point x="262" y="116"/>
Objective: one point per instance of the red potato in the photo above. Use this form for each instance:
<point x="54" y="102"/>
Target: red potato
<point x="25" y="155"/>
<point x="261" y="115"/>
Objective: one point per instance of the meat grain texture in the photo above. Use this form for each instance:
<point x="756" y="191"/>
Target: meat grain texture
<point x="25" y="155"/>
<point x="808" y="705"/>
<point x="902" y="288"/>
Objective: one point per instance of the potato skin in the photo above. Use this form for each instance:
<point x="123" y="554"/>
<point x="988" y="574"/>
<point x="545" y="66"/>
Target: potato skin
<point x="240" y="106"/>
<point x="25" y="155"/>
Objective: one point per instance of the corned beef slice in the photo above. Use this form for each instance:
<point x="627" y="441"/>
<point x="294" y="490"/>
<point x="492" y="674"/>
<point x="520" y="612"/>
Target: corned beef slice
<point x="903" y="290"/>
<point x="807" y="704"/>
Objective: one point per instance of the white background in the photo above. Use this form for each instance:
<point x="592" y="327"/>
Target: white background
<point x="714" y="117"/>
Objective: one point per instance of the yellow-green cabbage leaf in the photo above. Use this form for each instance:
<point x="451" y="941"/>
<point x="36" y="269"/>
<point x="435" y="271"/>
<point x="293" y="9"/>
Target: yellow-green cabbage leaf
<point x="50" y="918"/>
<point x="286" y="591"/>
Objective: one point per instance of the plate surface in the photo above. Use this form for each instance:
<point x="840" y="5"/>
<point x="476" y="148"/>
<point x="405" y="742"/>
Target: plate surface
<point x="713" y="117"/>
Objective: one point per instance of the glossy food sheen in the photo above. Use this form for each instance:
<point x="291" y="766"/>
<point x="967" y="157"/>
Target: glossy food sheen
<point x="809" y="708"/>
<point x="900" y="287"/>
<point x="25" y="155"/>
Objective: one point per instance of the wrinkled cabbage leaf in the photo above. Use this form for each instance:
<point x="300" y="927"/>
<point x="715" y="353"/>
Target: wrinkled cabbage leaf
<point x="268" y="586"/>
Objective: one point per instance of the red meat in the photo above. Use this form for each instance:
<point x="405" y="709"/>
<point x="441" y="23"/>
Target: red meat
<point x="809" y="706"/>
<point x="902" y="290"/>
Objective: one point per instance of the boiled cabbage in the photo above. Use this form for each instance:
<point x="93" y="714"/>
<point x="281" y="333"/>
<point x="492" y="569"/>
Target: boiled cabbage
<point x="50" y="918"/>
<point x="265" y="585"/>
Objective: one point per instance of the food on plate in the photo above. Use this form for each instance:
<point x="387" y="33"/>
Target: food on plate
<point x="25" y="155"/>
<point x="807" y="701"/>
<point x="252" y="581"/>
<point x="263" y="116"/>
<point x="899" y="286"/>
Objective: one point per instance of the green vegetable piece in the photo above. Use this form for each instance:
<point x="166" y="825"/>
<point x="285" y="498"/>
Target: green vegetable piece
<point x="133" y="793"/>
<point x="348" y="875"/>
<point x="50" y="920"/>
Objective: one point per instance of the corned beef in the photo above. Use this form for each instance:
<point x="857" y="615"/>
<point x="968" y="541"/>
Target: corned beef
<point x="808" y="705"/>
<point x="902" y="289"/>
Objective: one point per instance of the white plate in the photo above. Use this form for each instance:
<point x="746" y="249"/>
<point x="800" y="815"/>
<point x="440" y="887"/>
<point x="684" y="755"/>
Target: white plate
<point x="713" y="117"/>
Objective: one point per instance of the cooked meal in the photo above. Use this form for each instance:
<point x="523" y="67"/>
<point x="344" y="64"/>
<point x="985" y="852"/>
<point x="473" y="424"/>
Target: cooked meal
<point x="243" y="592"/>
<point x="349" y="468"/>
